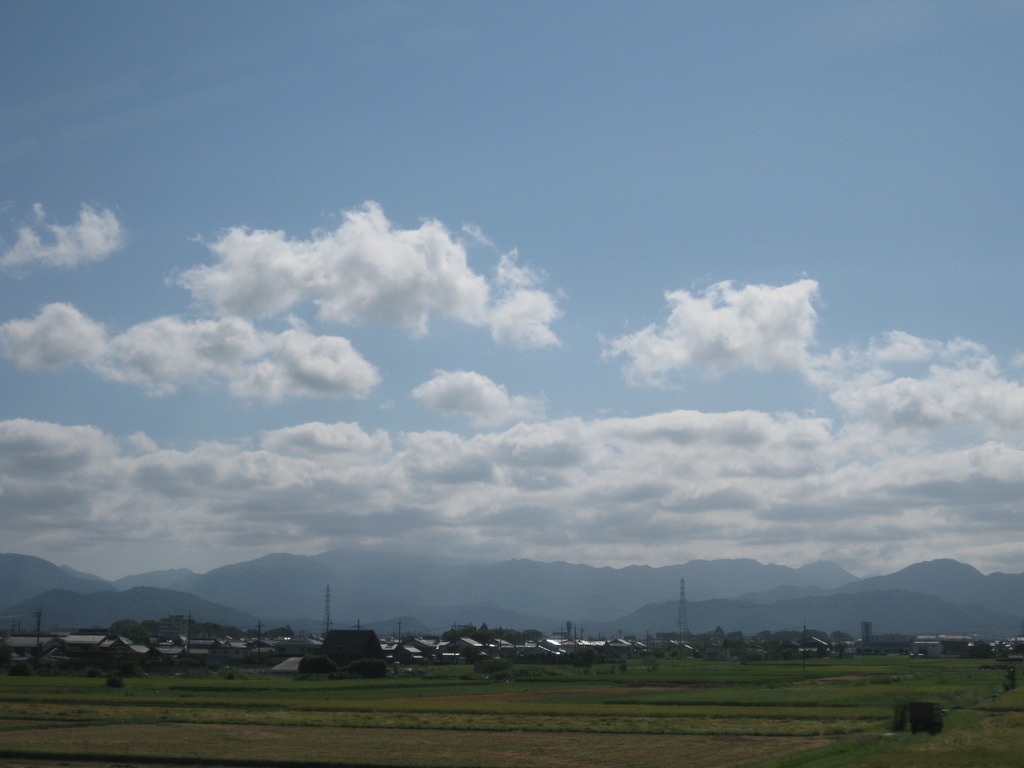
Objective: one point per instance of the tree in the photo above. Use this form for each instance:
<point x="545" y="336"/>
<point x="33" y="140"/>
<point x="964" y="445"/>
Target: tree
<point x="136" y="631"/>
<point x="464" y="630"/>
<point x="484" y="635"/>
<point x="585" y="657"/>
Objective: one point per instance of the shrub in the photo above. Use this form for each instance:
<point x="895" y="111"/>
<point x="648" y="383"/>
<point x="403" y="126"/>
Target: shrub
<point x="368" y="668"/>
<point x="497" y="669"/>
<point x="900" y="714"/>
<point x="130" y="669"/>
<point x="115" y="681"/>
<point x="20" y="669"/>
<point x="317" y="665"/>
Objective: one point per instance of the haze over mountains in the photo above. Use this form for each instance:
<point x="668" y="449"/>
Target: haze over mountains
<point x="431" y="593"/>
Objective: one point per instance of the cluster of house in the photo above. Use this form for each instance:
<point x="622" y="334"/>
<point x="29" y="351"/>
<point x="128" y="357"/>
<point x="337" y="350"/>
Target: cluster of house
<point x="100" y="649"/>
<point x="938" y="646"/>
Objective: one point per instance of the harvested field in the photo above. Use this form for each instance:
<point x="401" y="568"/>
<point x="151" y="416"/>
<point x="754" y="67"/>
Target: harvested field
<point x="689" y="713"/>
<point x="256" y="745"/>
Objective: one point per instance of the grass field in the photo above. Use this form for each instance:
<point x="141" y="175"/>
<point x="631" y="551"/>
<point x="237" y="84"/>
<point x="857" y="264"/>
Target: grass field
<point x="689" y="713"/>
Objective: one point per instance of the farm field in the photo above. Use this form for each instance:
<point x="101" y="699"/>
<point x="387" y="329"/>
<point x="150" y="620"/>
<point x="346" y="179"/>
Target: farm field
<point x="687" y="713"/>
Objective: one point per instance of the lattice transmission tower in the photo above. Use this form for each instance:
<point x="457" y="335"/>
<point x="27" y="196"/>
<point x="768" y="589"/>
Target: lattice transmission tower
<point x="327" y="610"/>
<point x="682" y="628"/>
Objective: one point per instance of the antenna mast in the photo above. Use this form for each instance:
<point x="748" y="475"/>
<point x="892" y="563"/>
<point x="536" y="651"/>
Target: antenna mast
<point x="682" y="629"/>
<point x="327" y="610"/>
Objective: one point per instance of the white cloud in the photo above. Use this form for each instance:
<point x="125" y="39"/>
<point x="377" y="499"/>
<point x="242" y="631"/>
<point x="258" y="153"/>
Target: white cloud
<point x="169" y="352"/>
<point x="299" y="364"/>
<point x="523" y="314"/>
<point x="902" y="382"/>
<point x="59" y="335"/>
<point x="758" y="326"/>
<point x="95" y="236"/>
<point x="654" y="489"/>
<point x="444" y="458"/>
<point x="474" y="395"/>
<point x="366" y="269"/>
<point x="334" y="440"/>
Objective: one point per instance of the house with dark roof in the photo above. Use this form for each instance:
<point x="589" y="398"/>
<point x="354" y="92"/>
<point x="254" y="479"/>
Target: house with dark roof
<point x="343" y="646"/>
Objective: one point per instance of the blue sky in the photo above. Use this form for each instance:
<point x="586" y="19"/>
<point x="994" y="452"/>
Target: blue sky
<point x="599" y="282"/>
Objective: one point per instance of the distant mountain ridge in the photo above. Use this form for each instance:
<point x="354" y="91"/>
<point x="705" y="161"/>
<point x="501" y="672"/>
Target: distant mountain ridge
<point x="73" y="610"/>
<point x="179" y="577"/>
<point x="370" y="587"/>
<point x="22" y="576"/>
<point x="375" y="589"/>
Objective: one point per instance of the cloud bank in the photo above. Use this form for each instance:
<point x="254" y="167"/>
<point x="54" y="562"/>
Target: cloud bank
<point x="731" y="484"/>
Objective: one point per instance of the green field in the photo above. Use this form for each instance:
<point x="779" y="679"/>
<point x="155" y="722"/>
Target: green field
<point x="686" y="713"/>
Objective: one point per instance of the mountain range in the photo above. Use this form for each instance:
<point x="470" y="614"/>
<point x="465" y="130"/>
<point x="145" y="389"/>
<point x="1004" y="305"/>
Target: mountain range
<point x="424" y="593"/>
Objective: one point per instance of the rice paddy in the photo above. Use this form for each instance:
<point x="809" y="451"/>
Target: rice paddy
<point x="686" y="713"/>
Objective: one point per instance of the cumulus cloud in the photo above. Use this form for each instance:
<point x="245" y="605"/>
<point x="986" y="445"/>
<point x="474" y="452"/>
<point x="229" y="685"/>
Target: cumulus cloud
<point x="523" y="314"/>
<point x="166" y="353"/>
<point x="367" y="269"/>
<point x="902" y="382"/>
<point x="474" y="395"/>
<point x="723" y="327"/>
<point x="93" y="237"/>
<point x="297" y="363"/>
<point x="319" y="439"/>
<point x="59" y="335"/>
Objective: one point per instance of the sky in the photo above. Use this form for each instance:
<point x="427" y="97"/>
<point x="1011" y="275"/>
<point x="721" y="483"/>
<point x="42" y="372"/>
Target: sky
<point x="598" y="282"/>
